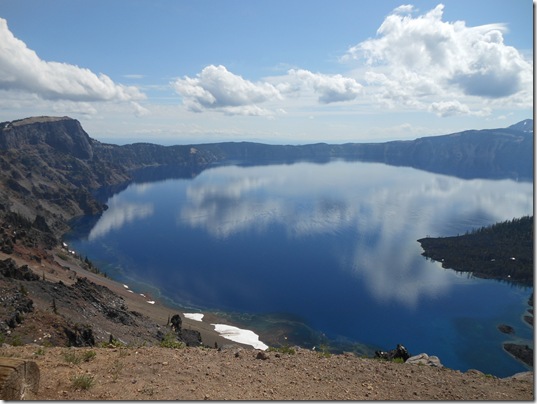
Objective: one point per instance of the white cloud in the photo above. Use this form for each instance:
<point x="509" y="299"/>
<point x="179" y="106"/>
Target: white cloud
<point x="455" y="107"/>
<point x="416" y="60"/>
<point x="330" y="88"/>
<point x="22" y="70"/>
<point x="139" y="110"/>
<point x="217" y="88"/>
<point x="404" y="9"/>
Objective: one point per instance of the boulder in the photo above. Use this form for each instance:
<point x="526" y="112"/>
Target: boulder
<point x="80" y="336"/>
<point x="424" y="359"/>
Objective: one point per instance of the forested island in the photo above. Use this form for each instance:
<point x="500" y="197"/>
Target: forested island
<point x="502" y="251"/>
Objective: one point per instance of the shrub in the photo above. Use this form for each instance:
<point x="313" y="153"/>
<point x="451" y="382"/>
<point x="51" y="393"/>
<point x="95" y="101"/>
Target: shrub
<point x="169" y="341"/>
<point x="88" y="355"/>
<point x="286" y="349"/>
<point x="40" y="351"/>
<point x="83" y="382"/>
<point x="16" y="340"/>
<point x="72" y="357"/>
<point x="324" y="351"/>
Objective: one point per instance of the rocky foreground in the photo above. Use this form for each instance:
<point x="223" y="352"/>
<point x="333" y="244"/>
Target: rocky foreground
<point x="155" y="373"/>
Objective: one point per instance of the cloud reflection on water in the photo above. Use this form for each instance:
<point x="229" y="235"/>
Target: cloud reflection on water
<point x="118" y="214"/>
<point x="386" y="208"/>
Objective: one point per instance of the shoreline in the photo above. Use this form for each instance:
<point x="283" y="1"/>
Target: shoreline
<point x="161" y="312"/>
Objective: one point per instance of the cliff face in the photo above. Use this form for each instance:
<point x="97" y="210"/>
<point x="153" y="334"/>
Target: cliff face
<point x="51" y="167"/>
<point x="64" y="135"/>
<point x="48" y="168"/>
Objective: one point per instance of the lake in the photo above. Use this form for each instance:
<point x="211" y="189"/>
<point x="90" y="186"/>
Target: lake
<point x="311" y="253"/>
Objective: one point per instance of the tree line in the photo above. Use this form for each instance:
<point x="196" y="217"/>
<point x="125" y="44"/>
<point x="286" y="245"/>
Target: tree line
<point x="503" y="250"/>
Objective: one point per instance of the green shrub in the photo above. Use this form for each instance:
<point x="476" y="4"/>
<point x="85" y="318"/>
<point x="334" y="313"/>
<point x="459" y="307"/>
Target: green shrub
<point x="83" y="382"/>
<point x="169" y="341"/>
<point x="72" y="357"/>
<point x="16" y="340"/>
<point x="286" y="349"/>
<point x="88" y="355"/>
<point x="40" y="351"/>
<point x="324" y="351"/>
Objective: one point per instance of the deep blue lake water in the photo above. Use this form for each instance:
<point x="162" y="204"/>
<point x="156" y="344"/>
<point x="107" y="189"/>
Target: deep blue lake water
<point x="329" y="246"/>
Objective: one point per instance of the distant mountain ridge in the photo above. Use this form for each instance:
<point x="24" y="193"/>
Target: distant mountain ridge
<point x="52" y="167"/>
<point x="524" y="126"/>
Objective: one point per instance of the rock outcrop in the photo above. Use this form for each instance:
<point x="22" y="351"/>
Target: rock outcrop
<point x="424" y="359"/>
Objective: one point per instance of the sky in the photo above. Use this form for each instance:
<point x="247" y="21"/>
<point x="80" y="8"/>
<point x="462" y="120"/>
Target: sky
<point x="271" y="71"/>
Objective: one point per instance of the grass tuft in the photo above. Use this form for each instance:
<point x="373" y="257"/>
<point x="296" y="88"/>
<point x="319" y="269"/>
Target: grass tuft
<point x="83" y="382"/>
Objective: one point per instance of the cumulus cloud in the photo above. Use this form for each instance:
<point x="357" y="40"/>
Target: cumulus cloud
<point x="416" y="57"/>
<point x="330" y="88"/>
<point x="217" y="88"/>
<point x="448" y="108"/>
<point x="21" y="69"/>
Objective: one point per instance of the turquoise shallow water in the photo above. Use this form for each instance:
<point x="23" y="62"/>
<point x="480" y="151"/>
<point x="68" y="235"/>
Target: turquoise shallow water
<point x="320" y="251"/>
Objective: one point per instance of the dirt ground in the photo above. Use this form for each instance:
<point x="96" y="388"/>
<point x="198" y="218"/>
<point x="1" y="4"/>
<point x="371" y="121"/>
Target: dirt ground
<point x="154" y="373"/>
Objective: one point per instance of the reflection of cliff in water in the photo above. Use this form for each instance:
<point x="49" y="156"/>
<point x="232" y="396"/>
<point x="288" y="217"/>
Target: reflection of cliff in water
<point x="484" y="154"/>
<point x="159" y="173"/>
<point x="475" y="154"/>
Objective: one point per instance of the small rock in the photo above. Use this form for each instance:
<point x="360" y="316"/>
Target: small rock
<point x="262" y="355"/>
<point x="424" y="359"/>
<point x="506" y="329"/>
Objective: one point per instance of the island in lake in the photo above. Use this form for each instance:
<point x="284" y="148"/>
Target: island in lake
<point x="503" y="251"/>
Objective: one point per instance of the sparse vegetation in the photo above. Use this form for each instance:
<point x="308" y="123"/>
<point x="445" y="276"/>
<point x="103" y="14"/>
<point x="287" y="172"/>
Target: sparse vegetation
<point x="63" y="256"/>
<point x="112" y="343"/>
<point x="16" y="340"/>
<point x="116" y="369"/>
<point x="40" y="351"/>
<point x="83" y="382"/>
<point x="72" y="357"/>
<point x="88" y="355"/>
<point x="170" y="341"/>
<point x="286" y="349"/>
<point x="324" y="351"/>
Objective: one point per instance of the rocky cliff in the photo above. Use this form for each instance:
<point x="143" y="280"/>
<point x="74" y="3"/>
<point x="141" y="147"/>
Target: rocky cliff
<point x="51" y="167"/>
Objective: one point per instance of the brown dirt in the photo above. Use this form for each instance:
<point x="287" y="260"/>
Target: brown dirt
<point x="155" y="373"/>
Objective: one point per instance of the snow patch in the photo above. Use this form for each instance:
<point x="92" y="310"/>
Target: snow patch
<point x="239" y="335"/>
<point x="194" y="316"/>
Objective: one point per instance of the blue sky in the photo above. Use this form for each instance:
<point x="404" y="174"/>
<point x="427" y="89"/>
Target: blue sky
<point x="291" y="71"/>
